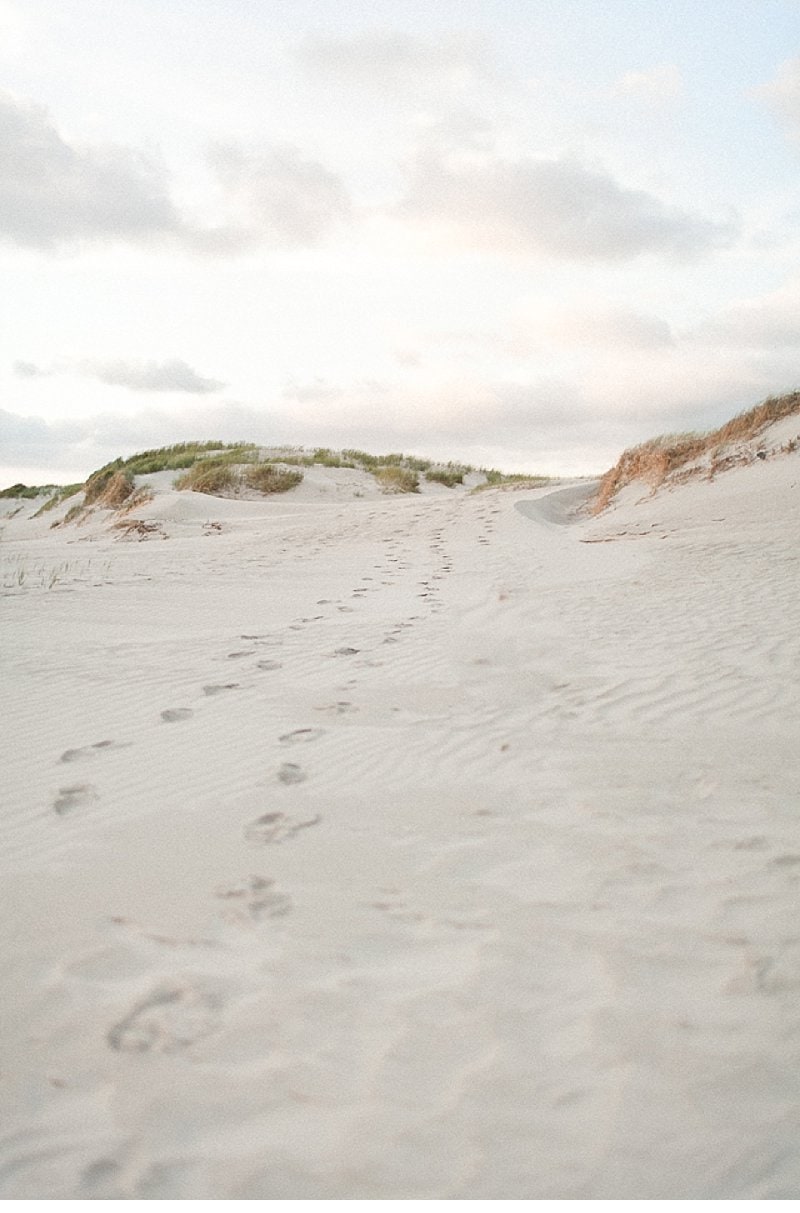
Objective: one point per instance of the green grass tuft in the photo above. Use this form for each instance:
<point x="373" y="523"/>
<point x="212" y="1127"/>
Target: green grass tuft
<point x="448" y="476"/>
<point x="211" y="476"/>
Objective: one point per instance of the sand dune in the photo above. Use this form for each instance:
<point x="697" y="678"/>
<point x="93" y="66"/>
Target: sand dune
<point x="440" y="846"/>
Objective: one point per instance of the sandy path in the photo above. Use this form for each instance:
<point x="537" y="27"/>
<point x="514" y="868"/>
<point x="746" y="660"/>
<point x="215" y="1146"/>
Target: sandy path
<point x="406" y="848"/>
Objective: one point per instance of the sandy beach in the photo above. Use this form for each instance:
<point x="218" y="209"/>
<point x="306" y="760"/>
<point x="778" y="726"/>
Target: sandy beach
<point x="426" y="846"/>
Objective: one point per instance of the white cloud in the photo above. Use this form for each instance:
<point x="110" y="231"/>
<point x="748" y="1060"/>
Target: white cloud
<point x="782" y="95"/>
<point x="53" y="192"/>
<point x="172" y="375"/>
<point x="391" y="60"/>
<point x="28" y="370"/>
<point x="559" y="208"/>
<point x="655" y="85"/>
<point x="278" y="195"/>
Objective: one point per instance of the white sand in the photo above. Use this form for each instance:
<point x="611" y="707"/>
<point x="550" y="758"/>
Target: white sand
<point x="404" y="847"/>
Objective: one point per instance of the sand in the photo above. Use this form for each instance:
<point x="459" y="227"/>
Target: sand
<point x="415" y="847"/>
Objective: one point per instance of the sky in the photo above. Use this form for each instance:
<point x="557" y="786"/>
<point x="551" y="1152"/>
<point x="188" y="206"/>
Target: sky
<point x="525" y="234"/>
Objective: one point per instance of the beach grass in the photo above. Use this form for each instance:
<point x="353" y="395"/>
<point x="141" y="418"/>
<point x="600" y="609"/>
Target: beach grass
<point x="659" y="458"/>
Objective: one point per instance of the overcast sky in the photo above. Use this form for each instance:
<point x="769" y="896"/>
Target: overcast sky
<point x="524" y="233"/>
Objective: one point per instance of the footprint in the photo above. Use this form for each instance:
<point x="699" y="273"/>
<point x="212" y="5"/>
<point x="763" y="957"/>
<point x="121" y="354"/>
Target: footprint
<point x="346" y="651"/>
<point x="241" y="653"/>
<point x="276" y="827"/>
<point x="74" y="797"/>
<point x="339" y="708"/>
<point x="218" y="688"/>
<point x="290" y="773"/>
<point x="169" y="1019"/>
<point x="254" y="899"/>
<point x="91" y="751"/>
<point x="172" y="714"/>
<point x="269" y="665"/>
<point x="299" y="735"/>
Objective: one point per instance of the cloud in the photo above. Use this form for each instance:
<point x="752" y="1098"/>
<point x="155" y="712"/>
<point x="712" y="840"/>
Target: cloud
<point x="559" y="208"/>
<point x="609" y="327"/>
<point x="392" y="60"/>
<point x="767" y="323"/>
<point x="28" y="370"/>
<point x="782" y="95"/>
<point x="53" y="192"/>
<point x="280" y="196"/>
<point x="32" y="440"/>
<point x="654" y="85"/>
<point x="173" y="375"/>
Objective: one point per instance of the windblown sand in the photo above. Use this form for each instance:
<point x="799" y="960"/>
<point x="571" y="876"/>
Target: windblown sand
<point x="404" y="847"/>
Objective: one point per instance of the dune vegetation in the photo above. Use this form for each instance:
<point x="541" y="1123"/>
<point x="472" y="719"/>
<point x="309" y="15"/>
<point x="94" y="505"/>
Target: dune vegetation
<point x="229" y="468"/>
<point x="661" y="458"/>
<point x="393" y="479"/>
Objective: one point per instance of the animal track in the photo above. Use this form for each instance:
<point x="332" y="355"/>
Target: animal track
<point x="169" y="1019"/>
<point x="254" y="899"/>
<point x="92" y="751"/>
<point x="276" y="827"/>
<point x="74" y="797"/>
<point x="172" y="714"/>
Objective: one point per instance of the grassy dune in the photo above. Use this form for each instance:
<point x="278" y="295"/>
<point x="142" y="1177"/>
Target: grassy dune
<point x="660" y="458"/>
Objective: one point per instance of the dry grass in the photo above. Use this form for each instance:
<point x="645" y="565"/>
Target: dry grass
<point x="109" y="487"/>
<point x="117" y="491"/>
<point x="266" y="478"/>
<point x="747" y="425"/>
<point x="219" y="478"/>
<point x="393" y="479"/>
<point x="654" y="461"/>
